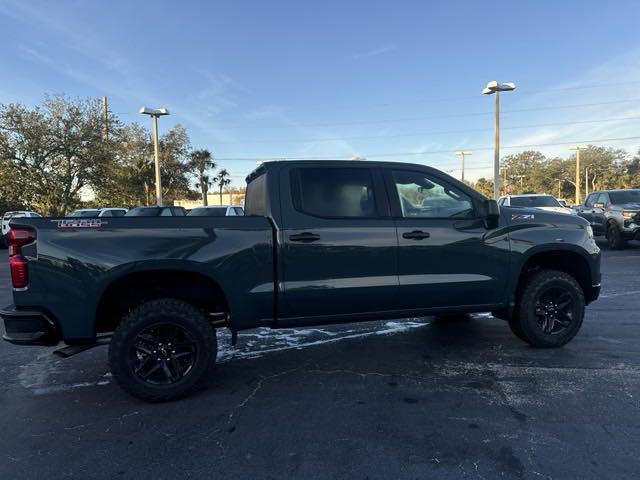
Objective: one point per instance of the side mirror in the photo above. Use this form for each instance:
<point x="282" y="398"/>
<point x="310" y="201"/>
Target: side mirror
<point x="598" y="205"/>
<point x="491" y="213"/>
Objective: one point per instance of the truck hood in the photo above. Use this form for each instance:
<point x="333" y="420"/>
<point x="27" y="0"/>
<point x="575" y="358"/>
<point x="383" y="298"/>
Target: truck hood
<point x="539" y="215"/>
<point x="628" y="206"/>
<point x="565" y="210"/>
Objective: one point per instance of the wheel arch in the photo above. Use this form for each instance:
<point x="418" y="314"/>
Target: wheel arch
<point x="131" y="288"/>
<point x="572" y="261"/>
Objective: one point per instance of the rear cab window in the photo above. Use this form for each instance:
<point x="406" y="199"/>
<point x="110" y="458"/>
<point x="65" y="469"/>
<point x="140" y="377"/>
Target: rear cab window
<point x="256" y="197"/>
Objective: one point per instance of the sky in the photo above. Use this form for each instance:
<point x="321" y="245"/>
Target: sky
<point x="384" y="80"/>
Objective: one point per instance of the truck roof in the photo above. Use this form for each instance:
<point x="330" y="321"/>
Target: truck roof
<point x="274" y="164"/>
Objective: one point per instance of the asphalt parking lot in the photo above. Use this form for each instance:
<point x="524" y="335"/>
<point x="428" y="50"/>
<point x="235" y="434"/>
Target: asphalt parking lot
<point x="410" y="399"/>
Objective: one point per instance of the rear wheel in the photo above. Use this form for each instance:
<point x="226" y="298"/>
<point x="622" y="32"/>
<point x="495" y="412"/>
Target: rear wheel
<point x="162" y="349"/>
<point x="614" y="237"/>
<point x="550" y="309"/>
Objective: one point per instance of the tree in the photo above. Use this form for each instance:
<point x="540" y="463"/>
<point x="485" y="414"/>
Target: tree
<point x="223" y="180"/>
<point x="202" y="161"/>
<point x="519" y="170"/>
<point x="53" y="151"/>
<point x="485" y="187"/>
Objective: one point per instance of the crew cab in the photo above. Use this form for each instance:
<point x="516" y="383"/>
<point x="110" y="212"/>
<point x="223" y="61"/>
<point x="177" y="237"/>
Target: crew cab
<point x="321" y="242"/>
<point x="614" y="214"/>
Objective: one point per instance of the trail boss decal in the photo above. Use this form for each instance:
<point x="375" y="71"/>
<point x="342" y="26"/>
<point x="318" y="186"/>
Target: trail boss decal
<point x="523" y="216"/>
<point x="80" y="223"/>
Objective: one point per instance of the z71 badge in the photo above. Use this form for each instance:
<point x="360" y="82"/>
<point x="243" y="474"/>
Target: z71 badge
<point x="80" y="223"/>
<point x="523" y="216"/>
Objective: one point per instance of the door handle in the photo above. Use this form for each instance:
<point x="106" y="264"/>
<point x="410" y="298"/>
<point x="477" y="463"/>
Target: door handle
<point x="304" y="237"/>
<point x="416" y="235"/>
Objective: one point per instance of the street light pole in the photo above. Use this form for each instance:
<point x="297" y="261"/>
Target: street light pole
<point x="154" y="113"/>
<point x="462" y="154"/>
<point x="494" y="87"/>
<point x="156" y="160"/>
<point x="577" y="148"/>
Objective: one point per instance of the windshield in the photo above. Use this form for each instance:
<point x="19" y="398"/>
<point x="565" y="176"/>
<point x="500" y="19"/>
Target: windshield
<point x="84" y="213"/>
<point x="535" y="201"/>
<point x="208" y="212"/>
<point x="143" y="212"/>
<point x="625" y="196"/>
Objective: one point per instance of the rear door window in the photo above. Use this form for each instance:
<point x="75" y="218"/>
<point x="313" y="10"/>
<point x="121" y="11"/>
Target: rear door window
<point x="334" y="192"/>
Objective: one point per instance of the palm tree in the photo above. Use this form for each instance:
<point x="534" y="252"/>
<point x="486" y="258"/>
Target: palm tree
<point x="202" y="161"/>
<point x="222" y="180"/>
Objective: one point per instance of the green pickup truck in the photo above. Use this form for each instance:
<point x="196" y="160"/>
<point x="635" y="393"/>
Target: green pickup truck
<point x="322" y="242"/>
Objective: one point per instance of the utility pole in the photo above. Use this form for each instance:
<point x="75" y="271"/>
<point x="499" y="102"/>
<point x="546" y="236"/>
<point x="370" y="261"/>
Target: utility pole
<point x="494" y="87"/>
<point x="462" y="154"/>
<point x="586" y="182"/>
<point x="559" y="191"/>
<point x="577" y="148"/>
<point x="105" y="117"/>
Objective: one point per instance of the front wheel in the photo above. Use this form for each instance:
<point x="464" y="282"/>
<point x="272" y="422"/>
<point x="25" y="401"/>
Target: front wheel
<point x="550" y="309"/>
<point x="162" y="349"/>
<point x="614" y="238"/>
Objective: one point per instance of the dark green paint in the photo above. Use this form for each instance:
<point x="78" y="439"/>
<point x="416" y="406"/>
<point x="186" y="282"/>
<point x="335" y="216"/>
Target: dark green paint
<point x="357" y="269"/>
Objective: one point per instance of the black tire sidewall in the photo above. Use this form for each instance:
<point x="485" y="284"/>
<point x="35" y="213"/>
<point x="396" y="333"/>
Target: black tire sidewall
<point x="614" y="237"/>
<point x="527" y="322"/>
<point x="161" y="311"/>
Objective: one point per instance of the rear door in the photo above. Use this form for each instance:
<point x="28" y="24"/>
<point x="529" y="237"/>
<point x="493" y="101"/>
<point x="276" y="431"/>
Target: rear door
<point x="446" y="256"/>
<point x="339" y="254"/>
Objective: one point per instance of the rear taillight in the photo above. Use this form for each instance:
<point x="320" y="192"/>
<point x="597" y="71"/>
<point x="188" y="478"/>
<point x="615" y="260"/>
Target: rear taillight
<point x="18" y="237"/>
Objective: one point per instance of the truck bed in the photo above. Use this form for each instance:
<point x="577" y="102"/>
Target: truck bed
<point x="79" y="258"/>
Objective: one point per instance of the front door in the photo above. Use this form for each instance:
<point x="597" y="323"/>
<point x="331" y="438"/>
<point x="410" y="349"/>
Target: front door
<point x="339" y="254"/>
<point x="446" y="256"/>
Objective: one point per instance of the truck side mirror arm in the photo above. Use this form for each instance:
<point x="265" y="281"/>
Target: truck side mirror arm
<point x="490" y="211"/>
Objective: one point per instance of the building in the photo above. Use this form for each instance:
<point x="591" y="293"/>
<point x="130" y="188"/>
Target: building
<point x="213" y="199"/>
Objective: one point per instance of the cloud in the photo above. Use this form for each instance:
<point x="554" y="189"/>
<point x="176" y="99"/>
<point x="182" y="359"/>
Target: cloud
<point x="374" y="53"/>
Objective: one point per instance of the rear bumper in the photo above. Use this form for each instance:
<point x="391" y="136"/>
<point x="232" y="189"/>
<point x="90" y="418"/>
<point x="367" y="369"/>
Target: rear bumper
<point x="28" y="327"/>
<point x="593" y="294"/>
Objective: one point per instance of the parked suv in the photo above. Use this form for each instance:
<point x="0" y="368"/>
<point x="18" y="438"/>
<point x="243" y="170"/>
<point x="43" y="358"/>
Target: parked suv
<point x="614" y="214"/>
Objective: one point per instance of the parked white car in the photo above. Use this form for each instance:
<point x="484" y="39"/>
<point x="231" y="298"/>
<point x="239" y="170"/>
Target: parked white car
<point x="99" y="212"/>
<point x="217" y="211"/>
<point x="535" y="200"/>
<point x="17" y="214"/>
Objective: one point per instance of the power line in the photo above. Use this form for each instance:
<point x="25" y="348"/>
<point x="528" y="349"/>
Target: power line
<point x="425" y="117"/>
<point x="422" y="134"/>
<point x="475" y="97"/>
<point x="426" y="152"/>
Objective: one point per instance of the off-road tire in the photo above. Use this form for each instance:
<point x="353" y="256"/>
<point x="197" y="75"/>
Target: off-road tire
<point x="614" y="238"/>
<point x="164" y="311"/>
<point x="526" y="325"/>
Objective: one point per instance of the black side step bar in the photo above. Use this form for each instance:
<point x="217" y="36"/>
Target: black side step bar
<point x="70" y="350"/>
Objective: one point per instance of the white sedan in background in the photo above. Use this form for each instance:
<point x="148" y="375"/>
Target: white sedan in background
<point x="17" y="214"/>
<point x="535" y="200"/>
<point x="98" y="212"/>
<point x="217" y="211"/>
